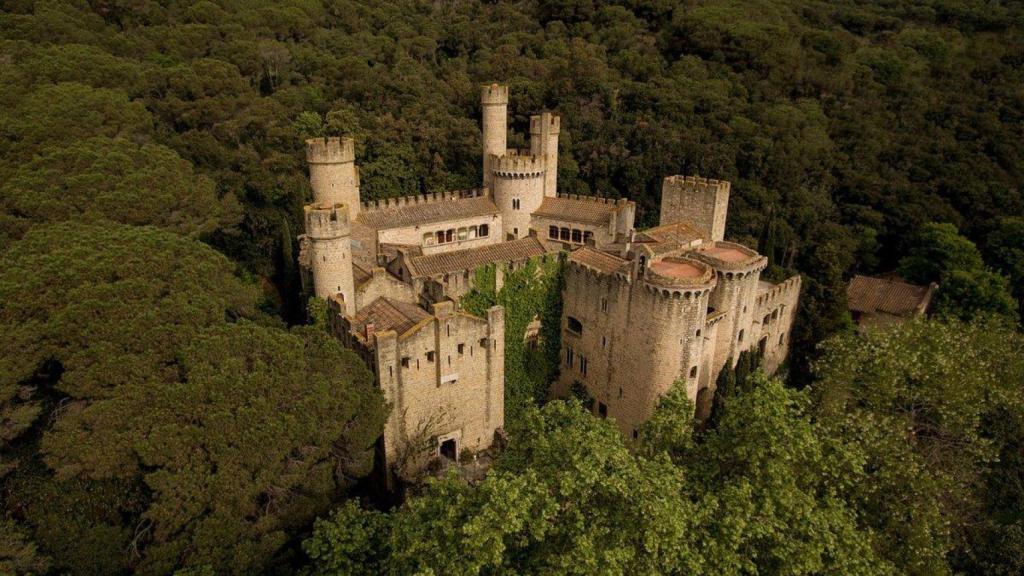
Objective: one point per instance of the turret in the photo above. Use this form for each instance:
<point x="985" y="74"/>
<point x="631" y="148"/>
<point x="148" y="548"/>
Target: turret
<point x="544" y="144"/>
<point x="700" y="202"/>
<point x="494" y="101"/>
<point x="328" y="232"/>
<point x="333" y="173"/>
<point x="518" y="190"/>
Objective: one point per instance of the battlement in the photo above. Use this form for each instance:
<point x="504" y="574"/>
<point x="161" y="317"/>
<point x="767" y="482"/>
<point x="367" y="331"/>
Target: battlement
<point x="778" y="292"/>
<point x="537" y="123"/>
<point x="326" y="221"/>
<point x="696" y="183"/>
<point x="416" y="199"/>
<point x="330" y="150"/>
<point x="731" y="258"/>
<point x="675" y="273"/>
<point x="517" y="166"/>
<point x="494" y="94"/>
<point x="596" y="199"/>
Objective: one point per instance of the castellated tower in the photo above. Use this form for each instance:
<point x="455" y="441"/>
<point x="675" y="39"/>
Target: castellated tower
<point x="544" y="144"/>
<point x="333" y="173"/>
<point x="494" y="101"/>
<point x="700" y="202"/>
<point x="518" y="189"/>
<point x="328" y="230"/>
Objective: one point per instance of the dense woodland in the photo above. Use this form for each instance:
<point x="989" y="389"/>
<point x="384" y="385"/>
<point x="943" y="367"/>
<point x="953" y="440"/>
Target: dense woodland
<point x="165" y="405"/>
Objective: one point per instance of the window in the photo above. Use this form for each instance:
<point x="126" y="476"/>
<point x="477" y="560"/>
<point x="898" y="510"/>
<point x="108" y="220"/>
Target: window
<point x="602" y="409"/>
<point x="766" y="318"/>
<point x="739" y="337"/>
<point x="782" y="338"/>
<point x="405" y="361"/>
<point x="587" y="236"/>
<point x="553" y="232"/>
<point x="449" y="235"/>
<point x="515" y="232"/>
<point x="604" y="304"/>
<point x="620" y="392"/>
<point x="440" y="236"/>
<point x="604" y="342"/>
<point x="775" y="314"/>
<point x="568" y="356"/>
<point x="483" y="230"/>
<point x="698" y="333"/>
<point x="583" y="364"/>
<point x="472" y="232"/>
<point x="636" y="434"/>
<point x="577" y="236"/>
<point x="643" y="264"/>
<point x="483" y="342"/>
<point x="575" y="326"/>
<point x="430" y="356"/>
<point x="515" y="203"/>
<point x="564" y="234"/>
<point x="463" y="233"/>
<point x="693" y="372"/>
<point x="462" y="349"/>
<point x="428" y="238"/>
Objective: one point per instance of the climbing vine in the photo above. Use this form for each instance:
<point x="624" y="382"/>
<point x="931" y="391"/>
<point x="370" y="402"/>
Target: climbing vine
<point x="532" y="291"/>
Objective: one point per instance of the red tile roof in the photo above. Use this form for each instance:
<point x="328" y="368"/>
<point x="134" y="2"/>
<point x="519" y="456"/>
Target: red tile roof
<point x="387" y="314"/>
<point x="427" y="212"/>
<point x="597" y="260"/>
<point x="471" y="258"/>
<point x="870" y="295"/>
<point x="572" y="210"/>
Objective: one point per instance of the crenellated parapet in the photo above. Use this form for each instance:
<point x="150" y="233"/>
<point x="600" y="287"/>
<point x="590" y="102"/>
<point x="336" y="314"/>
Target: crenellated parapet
<point x="517" y="166"/>
<point x="330" y="150"/>
<point x="697" y="183"/>
<point x="494" y="95"/>
<point x="539" y="122"/>
<point x="679" y="276"/>
<point x="597" y="199"/>
<point x="731" y="259"/>
<point x="417" y="199"/>
<point x="326" y="221"/>
<point x="780" y="292"/>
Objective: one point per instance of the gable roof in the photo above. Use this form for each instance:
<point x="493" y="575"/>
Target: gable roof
<point x="387" y="314"/>
<point x="598" y="260"/>
<point x="427" y="212"/>
<point x="871" y="295"/>
<point x="573" y="210"/>
<point x="470" y="258"/>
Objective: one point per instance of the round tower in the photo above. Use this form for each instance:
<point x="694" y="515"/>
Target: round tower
<point x="518" y="190"/>
<point x="333" y="173"/>
<point x="673" y="299"/>
<point x="494" y="101"/>
<point x="544" y="144"/>
<point x="328" y="229"/>
<point x="739" y="270"/>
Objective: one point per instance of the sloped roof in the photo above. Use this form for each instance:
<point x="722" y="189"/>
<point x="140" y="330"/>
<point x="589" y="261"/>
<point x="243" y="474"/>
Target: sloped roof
<point x="387" y="314"/>
<point x="585" y="211"/>
<point x="869" y="295"/>
<point x="677" y="233"/>
<point x="470" y="258"/>
<point x="427" y="212"/>
<point x="598" y="260"/>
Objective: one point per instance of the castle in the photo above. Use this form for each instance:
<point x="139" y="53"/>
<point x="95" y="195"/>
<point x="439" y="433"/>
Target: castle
<point x="641" y="309"/>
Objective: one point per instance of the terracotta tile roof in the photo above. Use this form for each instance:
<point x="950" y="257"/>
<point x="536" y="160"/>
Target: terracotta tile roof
<point x="585" y="211"/>
<point x="679" y="233"/>
<point x="387" y="314"/>
<point x="470" y="258"/>
<point x="867" y="294"/>
<point x="600" y="261"/>
<point x="427" y="212"/>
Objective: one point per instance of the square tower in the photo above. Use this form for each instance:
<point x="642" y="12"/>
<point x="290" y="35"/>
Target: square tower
<point x="700" y="202"/>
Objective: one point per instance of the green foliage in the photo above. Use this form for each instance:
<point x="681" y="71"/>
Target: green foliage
<point x="351" y="541"/>
<point x="966" y="287"/>
<point x="531" y="292"/>
<point x="18" y="555"/>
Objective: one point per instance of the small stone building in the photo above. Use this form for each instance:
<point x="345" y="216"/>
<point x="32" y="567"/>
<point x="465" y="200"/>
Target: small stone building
<point x="883" y="301"/>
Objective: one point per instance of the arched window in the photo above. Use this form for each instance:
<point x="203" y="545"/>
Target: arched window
<point x="440" y="236"/>
<point x="553" y="232"/>
<point x="577" y="236"/>
<point x="565" y="233"/>
<point x="575" y="325"/>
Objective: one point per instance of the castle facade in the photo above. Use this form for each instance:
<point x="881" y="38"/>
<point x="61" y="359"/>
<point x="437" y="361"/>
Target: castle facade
<point x="642" y="309"/>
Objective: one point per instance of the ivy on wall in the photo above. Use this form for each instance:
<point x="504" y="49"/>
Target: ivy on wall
<point x="530" y="291"/>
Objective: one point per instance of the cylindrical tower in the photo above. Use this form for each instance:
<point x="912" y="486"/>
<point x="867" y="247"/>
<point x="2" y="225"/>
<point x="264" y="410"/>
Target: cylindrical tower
<point x="674" y="297"/>
<point x="494" y="101"/>
<point x="518" y="190"/>
<point x="544" y="144"/>
<point x="327" y="228"/>
<point x="333" y="173"/>
<point x="739" y="270"/>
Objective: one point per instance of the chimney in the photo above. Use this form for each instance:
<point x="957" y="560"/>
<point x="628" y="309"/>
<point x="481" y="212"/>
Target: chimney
<point x="370" y="330"/>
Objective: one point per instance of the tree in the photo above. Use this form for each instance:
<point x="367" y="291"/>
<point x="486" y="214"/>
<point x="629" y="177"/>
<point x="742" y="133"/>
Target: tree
<point x="966" y="286"/>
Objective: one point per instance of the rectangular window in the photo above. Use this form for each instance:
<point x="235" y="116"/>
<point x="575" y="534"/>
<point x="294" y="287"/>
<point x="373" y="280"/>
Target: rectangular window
<point x="583" y="364"/>
<point x="440" y="236"/>
<point x="693" y="372"/>
<point x="577" y="236"/>
<point x="739" y="337"/>
<point x="553" y="232"/>
<point x="782" y="338"/>
<point x="587" y="236"/>
<point x="515" y="203"/>
<point x="405" y="362"/>
<point x="462" y="349"/>
<point x="463" y="233"/>
<point x="449" y="235"/>
<point x="428" y="238"/>
<point x="483" y="230"/>
<point x="602" y="409"/>
<point x="575" y="326"/>
<point x="604" y="304"/>
<point x="564" y="234"/>
<point x="430" y="356"/>
<point x="604" y="342"/>
<point x="568" y="356"/>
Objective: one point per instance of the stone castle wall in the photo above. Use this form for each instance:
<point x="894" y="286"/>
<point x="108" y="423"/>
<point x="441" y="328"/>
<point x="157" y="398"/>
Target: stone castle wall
<point x="330" y="251"/>
<point x="703" y="203"/>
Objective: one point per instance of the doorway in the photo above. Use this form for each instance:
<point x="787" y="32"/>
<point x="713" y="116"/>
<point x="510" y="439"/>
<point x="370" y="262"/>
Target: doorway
<point x="449" y="449"/>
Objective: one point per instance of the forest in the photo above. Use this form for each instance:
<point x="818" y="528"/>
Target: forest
<point x="167" y="407"/>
